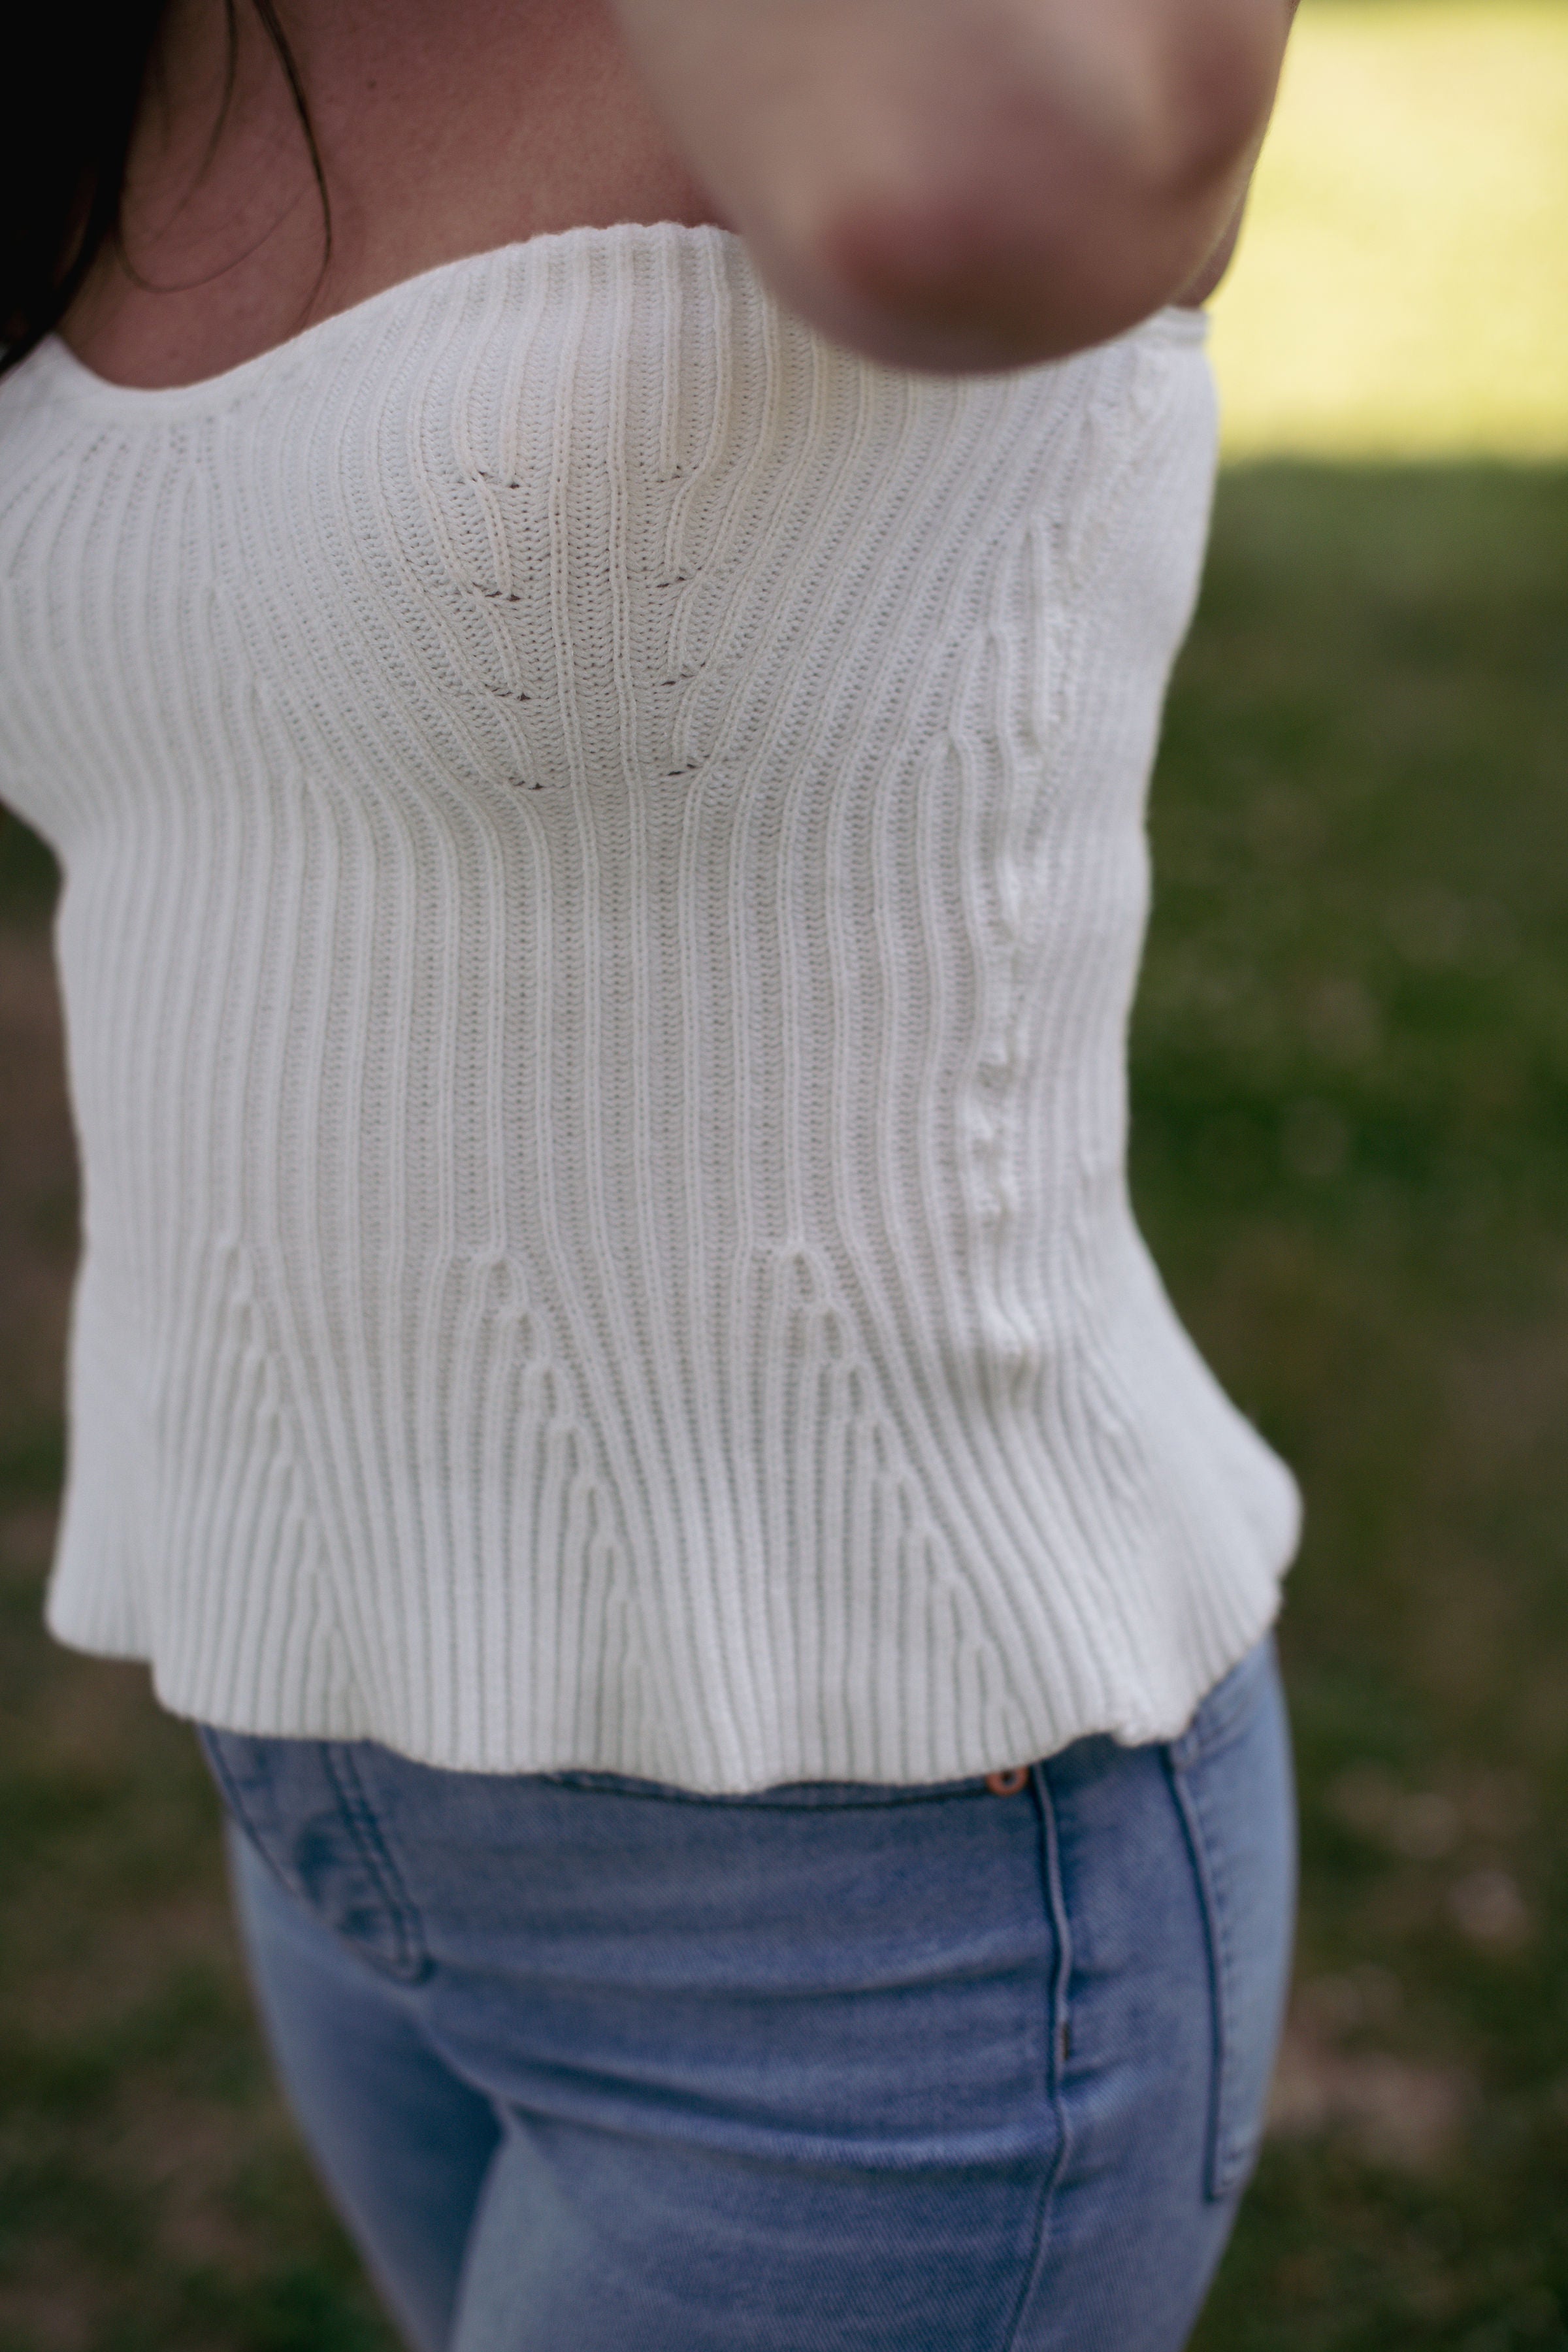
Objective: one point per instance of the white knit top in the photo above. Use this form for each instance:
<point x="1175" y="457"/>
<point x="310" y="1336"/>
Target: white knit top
<point x="605" y="874"/>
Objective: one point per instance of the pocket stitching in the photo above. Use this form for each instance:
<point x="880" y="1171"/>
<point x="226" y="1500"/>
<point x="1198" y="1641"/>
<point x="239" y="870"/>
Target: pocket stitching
<point x="411" y="1960"/>
<point x="242" y="1799"/>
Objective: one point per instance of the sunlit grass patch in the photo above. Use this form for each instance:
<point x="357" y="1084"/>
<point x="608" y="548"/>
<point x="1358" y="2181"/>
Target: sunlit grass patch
<point x="1402" y="285"/>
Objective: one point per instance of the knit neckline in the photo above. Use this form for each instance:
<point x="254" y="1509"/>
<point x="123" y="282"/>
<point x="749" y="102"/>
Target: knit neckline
<point x="155" y="403"/>
<point x="84" y="383"/>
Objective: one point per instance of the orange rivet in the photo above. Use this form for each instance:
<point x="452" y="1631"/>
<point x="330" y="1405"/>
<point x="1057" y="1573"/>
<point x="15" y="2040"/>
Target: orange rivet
<point x="1008" y="1784"/>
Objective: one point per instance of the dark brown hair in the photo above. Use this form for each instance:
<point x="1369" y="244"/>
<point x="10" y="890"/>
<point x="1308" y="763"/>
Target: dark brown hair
<point x="77" y="74"/>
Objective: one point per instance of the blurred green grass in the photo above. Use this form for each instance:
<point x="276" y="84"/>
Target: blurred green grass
<point x="1351" y="1154"/>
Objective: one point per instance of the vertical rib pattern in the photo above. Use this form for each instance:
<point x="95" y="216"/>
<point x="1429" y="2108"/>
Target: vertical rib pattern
<point x="605" y="873"/>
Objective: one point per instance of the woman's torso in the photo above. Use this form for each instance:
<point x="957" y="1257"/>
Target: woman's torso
<point x="605" y="874"/>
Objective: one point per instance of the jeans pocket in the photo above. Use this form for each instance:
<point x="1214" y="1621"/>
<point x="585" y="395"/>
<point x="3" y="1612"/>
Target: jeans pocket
<point x="302" y="1806"/>
<point x="1231" y="1773"/>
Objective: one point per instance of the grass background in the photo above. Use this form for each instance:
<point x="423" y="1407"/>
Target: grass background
<point x="1351" y="1152"/>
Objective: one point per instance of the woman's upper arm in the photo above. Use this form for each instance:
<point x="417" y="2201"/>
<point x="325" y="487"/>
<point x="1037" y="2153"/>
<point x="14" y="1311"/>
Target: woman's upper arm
<point x="968" y="184"/>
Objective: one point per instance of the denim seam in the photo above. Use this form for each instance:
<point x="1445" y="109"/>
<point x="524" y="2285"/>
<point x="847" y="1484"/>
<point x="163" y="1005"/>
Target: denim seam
<point x="1057" y="2015"/>
<point x="412" y="1960"/>
<point x="1223" y="2164"/>
<point x="243" y="1802"/>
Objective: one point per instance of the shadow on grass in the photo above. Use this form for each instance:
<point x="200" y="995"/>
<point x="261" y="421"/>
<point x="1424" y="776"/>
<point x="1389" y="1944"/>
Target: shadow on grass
<point x="1350" y="1155"/>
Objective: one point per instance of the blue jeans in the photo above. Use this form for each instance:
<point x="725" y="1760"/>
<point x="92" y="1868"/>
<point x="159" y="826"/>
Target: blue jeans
<point x="594" y="2066"/>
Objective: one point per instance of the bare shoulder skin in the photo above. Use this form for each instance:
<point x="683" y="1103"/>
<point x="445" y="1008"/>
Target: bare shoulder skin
<point x="446" y="128"/>
<point x="943" y="183"/>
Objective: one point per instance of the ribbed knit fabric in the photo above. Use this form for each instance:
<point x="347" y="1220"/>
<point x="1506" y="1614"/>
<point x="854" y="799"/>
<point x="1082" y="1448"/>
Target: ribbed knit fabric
<point x="605" y="877"/>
